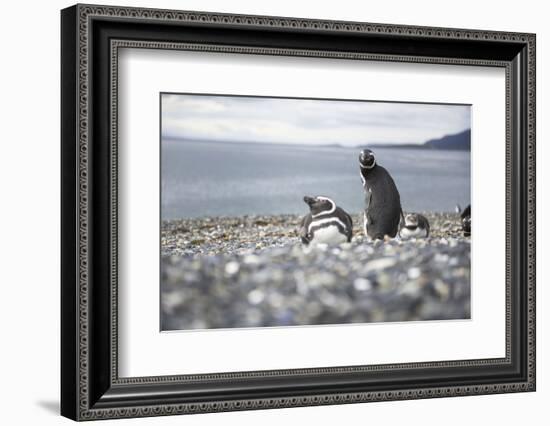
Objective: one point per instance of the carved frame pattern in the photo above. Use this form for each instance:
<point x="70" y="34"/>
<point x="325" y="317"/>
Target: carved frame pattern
<point x="85" y="13"/>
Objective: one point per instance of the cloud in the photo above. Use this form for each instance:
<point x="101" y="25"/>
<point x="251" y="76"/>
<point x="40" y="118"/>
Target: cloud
<point x="306" y="121"/>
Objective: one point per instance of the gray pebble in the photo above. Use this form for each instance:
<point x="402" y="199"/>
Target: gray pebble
<point x="223" y="273"/>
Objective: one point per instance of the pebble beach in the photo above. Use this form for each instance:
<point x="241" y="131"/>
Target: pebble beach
<point x="252" y="271"/>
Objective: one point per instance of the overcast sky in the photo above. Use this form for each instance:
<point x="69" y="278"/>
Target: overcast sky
<point x="303" y="121"/>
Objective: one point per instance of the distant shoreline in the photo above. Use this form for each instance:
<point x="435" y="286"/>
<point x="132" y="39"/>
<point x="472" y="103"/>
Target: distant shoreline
<point x="217" y="235"/>
<point x="298" y="215"/>
<point x="455" y="142"/>
<point x="413" y="146"/>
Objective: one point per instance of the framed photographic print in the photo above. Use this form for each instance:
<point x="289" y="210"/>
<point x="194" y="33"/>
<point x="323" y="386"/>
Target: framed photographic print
<point x="263" y="212"/>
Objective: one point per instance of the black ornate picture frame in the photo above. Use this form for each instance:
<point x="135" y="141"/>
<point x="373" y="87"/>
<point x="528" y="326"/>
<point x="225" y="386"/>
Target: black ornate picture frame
<point x="90" y="385"/>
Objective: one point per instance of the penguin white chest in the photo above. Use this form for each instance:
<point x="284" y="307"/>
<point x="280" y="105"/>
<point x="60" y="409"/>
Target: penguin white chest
<point x="418" y="232"/>
<point x="329" y="234"/>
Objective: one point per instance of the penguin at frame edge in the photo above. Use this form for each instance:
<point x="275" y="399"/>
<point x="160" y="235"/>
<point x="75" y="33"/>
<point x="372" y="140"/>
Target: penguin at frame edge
<point x="466" y="220"/>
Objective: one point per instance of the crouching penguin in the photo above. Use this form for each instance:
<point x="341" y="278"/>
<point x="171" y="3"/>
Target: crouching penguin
<point x="326" y="223"/>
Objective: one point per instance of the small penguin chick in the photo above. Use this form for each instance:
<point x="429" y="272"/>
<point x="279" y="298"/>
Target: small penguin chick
<point x="415" y="226"/>
<point x="326" y="223"/>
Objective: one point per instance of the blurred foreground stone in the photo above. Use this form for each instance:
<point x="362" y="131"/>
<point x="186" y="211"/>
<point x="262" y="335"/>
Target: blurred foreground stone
<point x="253" y="272"/>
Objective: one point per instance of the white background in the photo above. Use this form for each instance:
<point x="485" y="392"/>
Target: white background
<point x="146" y="352"/>
<point x="29" y="167"/>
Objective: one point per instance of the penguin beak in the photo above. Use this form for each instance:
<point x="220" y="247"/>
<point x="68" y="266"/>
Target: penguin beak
<point x="309" y="200"/>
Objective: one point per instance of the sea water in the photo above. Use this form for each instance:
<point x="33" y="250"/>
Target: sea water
<point x="206" y="178"/>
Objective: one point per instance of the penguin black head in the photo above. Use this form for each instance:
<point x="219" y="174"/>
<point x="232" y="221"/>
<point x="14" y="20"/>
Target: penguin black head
<point x="319" y="205"/>
<point x="367" y="159"/>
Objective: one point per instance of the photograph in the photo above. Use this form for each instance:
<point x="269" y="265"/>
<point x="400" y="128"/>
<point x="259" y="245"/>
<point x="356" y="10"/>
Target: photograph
<point x="280" y="212"/>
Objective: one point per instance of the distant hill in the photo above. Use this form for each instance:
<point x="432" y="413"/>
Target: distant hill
<point x="456" y="142"/>
<point x="460" y="142"/>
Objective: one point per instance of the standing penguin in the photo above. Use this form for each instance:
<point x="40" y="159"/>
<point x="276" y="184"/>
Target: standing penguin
<point x="382" y="202"/>
<point x="325" y="223"/>
<point x="415" y="226"/>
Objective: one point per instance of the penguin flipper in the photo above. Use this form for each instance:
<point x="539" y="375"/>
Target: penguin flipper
<point x="368" y="199"/>
<point x="370" y="221"/>
<point x="304" y="236"/>
<point x="427" y="226"/>
<point x="349" y="225"/>
<point x="304" y="229"/>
